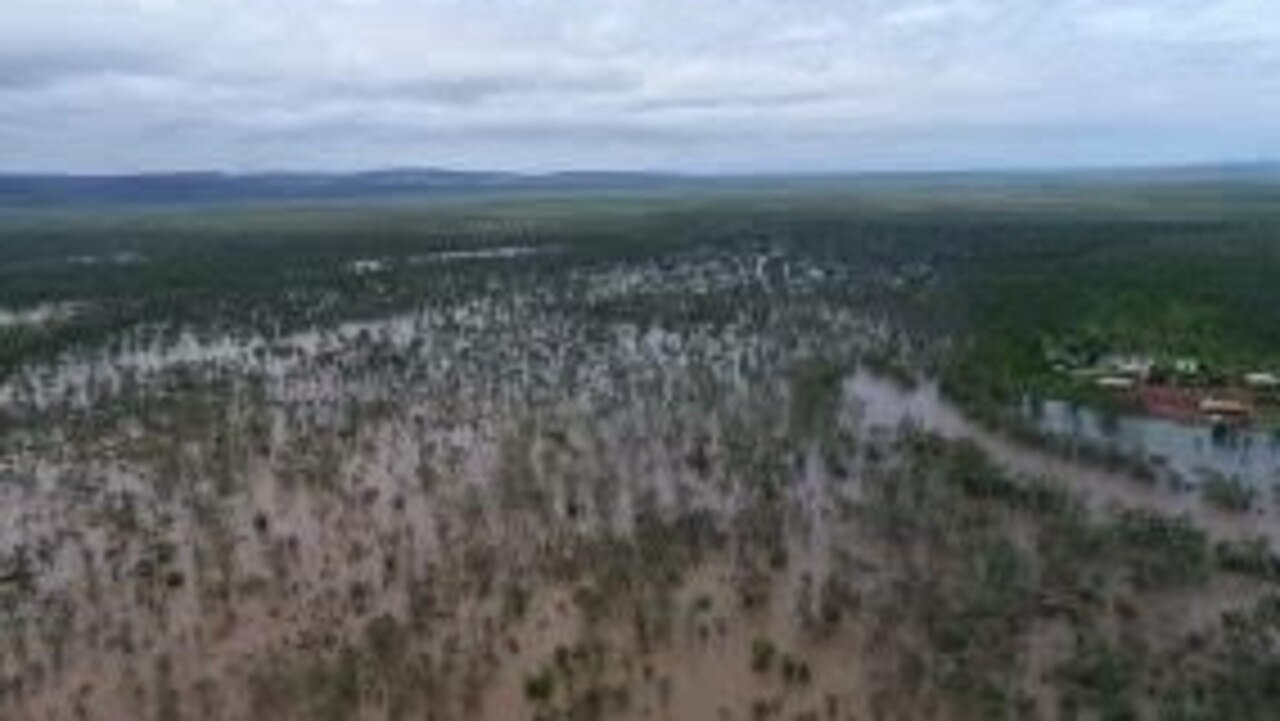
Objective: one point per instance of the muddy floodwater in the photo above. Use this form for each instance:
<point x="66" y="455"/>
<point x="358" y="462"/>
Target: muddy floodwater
<point x="1190" y="450"/>
<point x="1187" y="451"/>
<point x="503" y="506"/>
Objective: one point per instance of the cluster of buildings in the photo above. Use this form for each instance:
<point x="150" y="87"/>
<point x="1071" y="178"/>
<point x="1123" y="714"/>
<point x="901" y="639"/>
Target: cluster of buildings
<point x="1183" y="388"/>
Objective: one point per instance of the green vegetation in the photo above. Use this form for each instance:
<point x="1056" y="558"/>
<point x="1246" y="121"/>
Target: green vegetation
<point x="1165" y="289"/>
<point x="1229" y="494"/>
<point x="763" y="653"/>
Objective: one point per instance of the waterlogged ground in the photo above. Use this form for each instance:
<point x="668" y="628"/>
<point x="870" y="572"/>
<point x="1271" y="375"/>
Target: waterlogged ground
<point x="591" y="501"/>
<point x="1193" y="450"/>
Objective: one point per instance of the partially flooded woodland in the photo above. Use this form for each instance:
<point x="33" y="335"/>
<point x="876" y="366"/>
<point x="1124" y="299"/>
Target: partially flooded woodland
<point x="607" y="460"/>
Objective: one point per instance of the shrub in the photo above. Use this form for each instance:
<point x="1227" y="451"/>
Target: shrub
<point x="1228" y="493"/>
<point x="540" y="687"/>
<point x="762" y="655"/>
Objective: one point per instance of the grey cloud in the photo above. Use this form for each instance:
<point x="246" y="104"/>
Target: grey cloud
<point x="126" y="84"/>
<point x="58" y="40"/>
<point x="35" y="67"/>
<point x="470" y="87"/>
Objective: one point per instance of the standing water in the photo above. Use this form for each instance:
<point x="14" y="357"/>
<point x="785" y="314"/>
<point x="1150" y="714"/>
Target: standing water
<point x="1193" y="451"/>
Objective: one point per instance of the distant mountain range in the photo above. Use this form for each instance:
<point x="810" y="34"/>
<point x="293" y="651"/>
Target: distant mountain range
<point x="213" y="187"/>
<point x="35" y="189"/>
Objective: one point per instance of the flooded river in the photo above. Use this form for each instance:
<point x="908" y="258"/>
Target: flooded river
<point x="1193" y="451"/>
<point x="886" y="404"/>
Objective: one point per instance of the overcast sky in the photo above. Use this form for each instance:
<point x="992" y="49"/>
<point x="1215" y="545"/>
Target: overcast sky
<point x="702" y="85"/>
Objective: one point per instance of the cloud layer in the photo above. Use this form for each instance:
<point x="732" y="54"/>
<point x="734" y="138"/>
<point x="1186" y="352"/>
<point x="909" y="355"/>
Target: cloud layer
<point x="123" y="85"/>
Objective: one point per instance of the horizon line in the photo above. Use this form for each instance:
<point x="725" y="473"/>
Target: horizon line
<point x="694" y="174"/>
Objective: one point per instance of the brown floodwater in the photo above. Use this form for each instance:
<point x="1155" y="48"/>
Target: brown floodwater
<point x="888" y="405"/>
